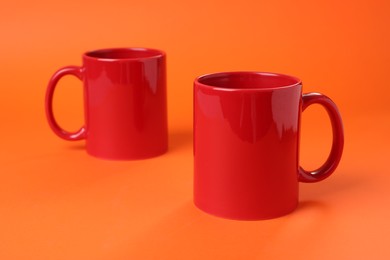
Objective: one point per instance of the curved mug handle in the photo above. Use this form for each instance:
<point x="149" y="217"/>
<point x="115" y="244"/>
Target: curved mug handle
<point x="338" y="138"/>
<point x="71" y="136"/>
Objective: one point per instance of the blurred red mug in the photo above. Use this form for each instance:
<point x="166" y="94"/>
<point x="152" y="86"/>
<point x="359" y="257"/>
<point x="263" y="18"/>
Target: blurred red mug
<point x="124" y="100"/>
<point x="246" y="143"/>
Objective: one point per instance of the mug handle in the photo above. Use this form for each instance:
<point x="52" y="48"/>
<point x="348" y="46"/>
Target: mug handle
<point x="338" y="138"/>
<point x="71" y="136"/>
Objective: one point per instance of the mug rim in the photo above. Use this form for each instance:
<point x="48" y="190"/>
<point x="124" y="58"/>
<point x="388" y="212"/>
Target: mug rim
<point x="153" y="53"/>
<point x="297" y="81"/>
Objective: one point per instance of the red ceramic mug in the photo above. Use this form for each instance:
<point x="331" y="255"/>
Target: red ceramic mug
<point x="125" y="103"/>
<point x="246" y="143"/>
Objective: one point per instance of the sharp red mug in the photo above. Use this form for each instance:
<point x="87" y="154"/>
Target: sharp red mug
<point x="246" y="143"/>
<point x="124" y="101"/>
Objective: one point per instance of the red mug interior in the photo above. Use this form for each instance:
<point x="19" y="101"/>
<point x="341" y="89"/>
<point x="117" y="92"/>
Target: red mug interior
<point x="248" y="80"/>
<point x="124" y="53"/>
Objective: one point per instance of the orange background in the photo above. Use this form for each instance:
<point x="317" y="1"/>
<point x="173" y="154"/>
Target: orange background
<point x="56" y="202"/>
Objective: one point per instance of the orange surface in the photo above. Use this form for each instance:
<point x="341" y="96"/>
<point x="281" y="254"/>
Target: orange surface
<point x="56" y="202"/>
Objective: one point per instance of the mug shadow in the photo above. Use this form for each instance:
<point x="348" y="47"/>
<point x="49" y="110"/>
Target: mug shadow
<point x="179" y="139"/>
<point x="76" y="146"/>
<point x="344" y="182"/>
<point x="310" y="205"/>
<point x="176" y="139"/>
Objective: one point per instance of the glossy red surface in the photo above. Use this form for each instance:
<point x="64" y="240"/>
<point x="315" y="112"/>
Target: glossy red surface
<point x="125" y="103"/>
<point x="246" y="144"/>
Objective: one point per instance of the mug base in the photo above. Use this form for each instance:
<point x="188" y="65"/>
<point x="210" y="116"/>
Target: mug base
<point x="251" y="217"/>
<point x="130" y="157"/>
